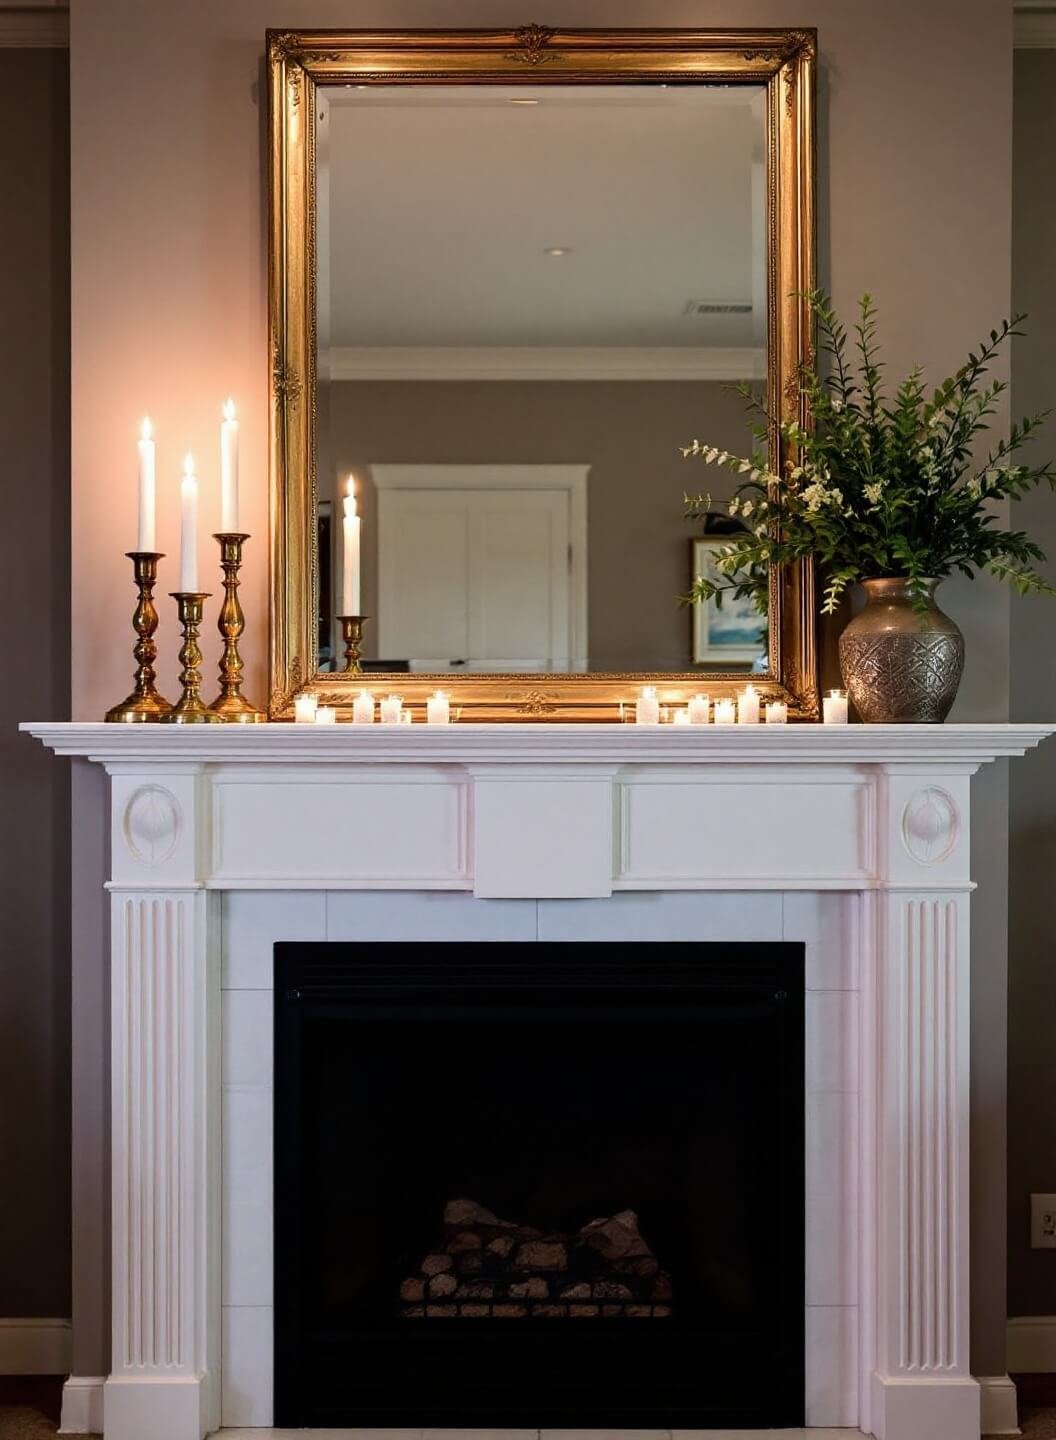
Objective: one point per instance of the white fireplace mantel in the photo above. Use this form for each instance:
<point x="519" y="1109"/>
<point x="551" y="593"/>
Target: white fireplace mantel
<point x="544" y="812"/>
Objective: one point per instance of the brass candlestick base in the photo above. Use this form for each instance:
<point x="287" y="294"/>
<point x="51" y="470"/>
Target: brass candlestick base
<point x="231" y="705"/>
<point x="352" y="630"/>
<point x="189" y="709"/>
<point x="144" y="705"/>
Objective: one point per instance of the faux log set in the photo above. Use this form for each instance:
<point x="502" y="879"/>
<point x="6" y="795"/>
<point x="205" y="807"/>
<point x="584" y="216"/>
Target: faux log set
<point x="486" y="1268"/>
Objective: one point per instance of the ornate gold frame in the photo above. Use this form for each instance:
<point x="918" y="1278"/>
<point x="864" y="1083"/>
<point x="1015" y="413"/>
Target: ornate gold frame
<point x="300" y="60"/>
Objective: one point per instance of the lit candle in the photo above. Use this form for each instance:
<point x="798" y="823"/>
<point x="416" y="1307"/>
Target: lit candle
<point x="325" y="715"/>
<point x="748" y="706"/>
<point x="229" y="471"/>
<point x="146" y="540"/>
<point x="363" y="708"/>
<point x="438" y="709"/>
<point x="698" y="710"/>
<point x="725" y="712"/>
<point x="350" y="569"/>
<point x="406" y="717"/>
<point x="776" y="712"/>
<point x="647" y="707"/>
<point x="304" y="708"/>
<point x="391" y="706"/>
<point x="834" y="708"/>
<point x="189" y="528"/>
<point x="681" y="717"/>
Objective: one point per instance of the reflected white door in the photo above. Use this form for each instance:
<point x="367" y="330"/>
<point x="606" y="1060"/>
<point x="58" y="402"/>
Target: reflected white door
<point x="477" y="579"/>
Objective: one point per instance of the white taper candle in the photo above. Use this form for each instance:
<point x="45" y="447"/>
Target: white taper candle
<point x="146" y="539"/>
<point x="189" y="528"/>
<point x="229" y="471"/>
<point x="350" y="565"/>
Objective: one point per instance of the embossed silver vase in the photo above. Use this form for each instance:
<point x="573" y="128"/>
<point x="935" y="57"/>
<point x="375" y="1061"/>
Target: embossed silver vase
<point x="901" y="665"/>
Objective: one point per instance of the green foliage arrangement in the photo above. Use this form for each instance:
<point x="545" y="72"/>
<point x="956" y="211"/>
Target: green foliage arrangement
<point x="879" y="487"/>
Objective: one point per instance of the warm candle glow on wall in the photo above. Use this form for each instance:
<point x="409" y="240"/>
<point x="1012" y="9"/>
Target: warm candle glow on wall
<point x="189" y="527"/>
<point x="146" y="539"/>
<point x="350" y="566"/>
<point x="229" y="470"/>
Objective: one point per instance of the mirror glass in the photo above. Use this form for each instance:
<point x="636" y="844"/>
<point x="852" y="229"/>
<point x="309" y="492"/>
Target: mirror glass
<point x="529" y="297"/>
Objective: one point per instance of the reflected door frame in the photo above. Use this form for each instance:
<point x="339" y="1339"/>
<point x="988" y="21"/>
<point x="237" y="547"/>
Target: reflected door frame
<point x="570" y="480"/>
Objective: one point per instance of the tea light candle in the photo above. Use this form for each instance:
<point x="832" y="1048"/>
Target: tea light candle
<point x="647" y="707"/>
<point x="725" y="712"/>
<point x="681" y="717"/>
<point x="363" y="708"/>
<point x="438" y="709"/>
<point x="406" y="717"/>
<point x="304" y="708"/>
<point x="697" y="710"/>
<point x="834" y="708"/>
<point x="189" y="528"/>
<point x="229" y="471"/>
<point x="748" y="706"/>
<point x="146" y="539"/>
<point x="776" y="712"/>
<point x="391" y="706"/>
<point x="325" y="715"/>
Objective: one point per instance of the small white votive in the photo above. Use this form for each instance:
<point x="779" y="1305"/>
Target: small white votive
<point x="406" y="717"/>
<point x="834" y="708"/>
<point x="363" y="708"/>
<point x="748" y="706"/>
<point x="647" y="707"/>
<point x="725" y="712"/>
<point x="325" y="715"/>
<point x="776" y="712"/>
<point x="438" y="709"/>
<point x="304" y="708"/>
<point x="391" y="708"/>
<point x="698" y="710"/>
<point x="681" y="717"/>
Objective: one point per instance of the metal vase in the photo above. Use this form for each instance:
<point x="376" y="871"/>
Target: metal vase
<point x="901" y="666"/>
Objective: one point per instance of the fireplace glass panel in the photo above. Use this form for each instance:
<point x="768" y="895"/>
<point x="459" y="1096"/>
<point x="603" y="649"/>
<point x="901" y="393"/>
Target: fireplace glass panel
<point x="566" y="1189"/>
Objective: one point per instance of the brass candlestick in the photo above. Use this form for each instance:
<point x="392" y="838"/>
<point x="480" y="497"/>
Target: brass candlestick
<point x="144" y="704"/>
<point x="352" y="630"/>
<point x="231" y="705"/>
<point x="189" y="709"/>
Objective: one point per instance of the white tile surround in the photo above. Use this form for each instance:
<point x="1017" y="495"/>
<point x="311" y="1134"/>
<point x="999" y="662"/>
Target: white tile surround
<point x="852" y="839"/>
<point x="252" y="921"/>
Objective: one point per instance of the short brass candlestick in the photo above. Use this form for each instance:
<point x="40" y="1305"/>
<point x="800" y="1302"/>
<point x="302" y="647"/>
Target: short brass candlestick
<point x="352" y="630"/>
<point x="231" y="705"/>
<point x="144" y="704"/>
<point x="189" y="709"/>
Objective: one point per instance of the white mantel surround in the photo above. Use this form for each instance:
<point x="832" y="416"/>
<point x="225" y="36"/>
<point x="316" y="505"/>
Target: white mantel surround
<point x="873" y="820"/>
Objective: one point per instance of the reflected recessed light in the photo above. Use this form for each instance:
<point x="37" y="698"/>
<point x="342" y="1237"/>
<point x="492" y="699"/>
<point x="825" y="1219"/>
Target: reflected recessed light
<point x="524" y="102"/>
<point x="558" y="250"/>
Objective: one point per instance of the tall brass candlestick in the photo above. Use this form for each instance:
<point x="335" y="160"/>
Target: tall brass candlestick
<point x="189" y="709"/>
<point x="352" y="631"/>
<point x="231" y="705"/>
<point x="144" y="704"/>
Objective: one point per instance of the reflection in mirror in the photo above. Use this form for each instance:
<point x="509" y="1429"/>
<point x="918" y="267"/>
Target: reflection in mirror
<point x="528" y="298"/>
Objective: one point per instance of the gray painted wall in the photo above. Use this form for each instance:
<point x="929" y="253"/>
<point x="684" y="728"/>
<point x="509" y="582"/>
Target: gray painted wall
<point x="34" y="641"/>
<point x="915" y="115"/>
<point x="1032" y="950"/>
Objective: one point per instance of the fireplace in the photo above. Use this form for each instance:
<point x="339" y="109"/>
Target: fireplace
<point x="566" y="1189"/>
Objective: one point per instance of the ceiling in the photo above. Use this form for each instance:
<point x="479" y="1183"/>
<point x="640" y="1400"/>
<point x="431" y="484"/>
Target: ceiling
<point x="438" y="205"/>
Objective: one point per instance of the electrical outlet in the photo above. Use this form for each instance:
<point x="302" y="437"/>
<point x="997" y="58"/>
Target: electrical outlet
<point x="1043" y="1222"/>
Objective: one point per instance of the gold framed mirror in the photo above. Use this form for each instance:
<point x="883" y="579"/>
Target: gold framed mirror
<point x="343" y="310"/>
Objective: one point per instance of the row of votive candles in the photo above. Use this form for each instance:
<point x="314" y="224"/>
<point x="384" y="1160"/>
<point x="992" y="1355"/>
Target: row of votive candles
<point x="390" y="711"/>
<point x="744" y="710"/>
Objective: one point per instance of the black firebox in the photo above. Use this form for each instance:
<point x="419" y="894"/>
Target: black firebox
<point x="548" y="1185"/>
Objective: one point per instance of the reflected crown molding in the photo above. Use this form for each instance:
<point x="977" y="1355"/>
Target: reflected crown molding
<point x="1035" y="25"/>
<point x="34" y="24"/>
<point x="539" y="362"/>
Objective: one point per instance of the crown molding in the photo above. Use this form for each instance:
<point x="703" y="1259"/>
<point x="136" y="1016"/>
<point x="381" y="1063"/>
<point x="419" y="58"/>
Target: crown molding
<point x="537" y="362"/>
<point x="34" y="25"/>
<point x="1035" y="25"/>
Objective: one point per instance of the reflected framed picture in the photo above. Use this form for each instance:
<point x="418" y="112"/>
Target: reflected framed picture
<point x="733" y="633"/>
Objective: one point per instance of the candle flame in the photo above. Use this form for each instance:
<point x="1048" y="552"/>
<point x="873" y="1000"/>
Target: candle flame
<point x="146" y="430"/>
<point x="229" y="409"/>
<point x="188" y="466"/>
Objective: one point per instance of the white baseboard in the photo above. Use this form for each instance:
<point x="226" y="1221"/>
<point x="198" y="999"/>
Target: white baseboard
<point x="35" y="1347"/>
<point x="999" y="1413"/>
<point x="1031" y="1344"/>
<point x="82" y="1405"/>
